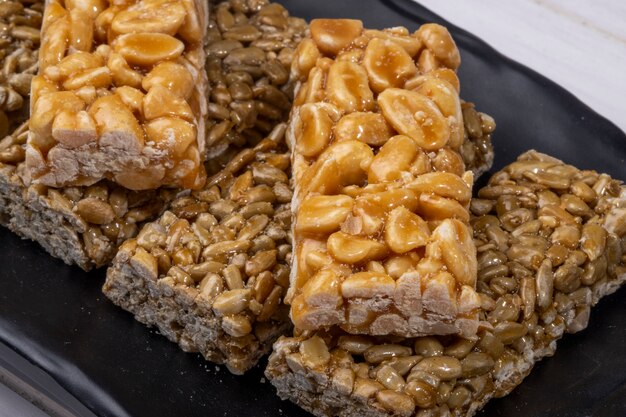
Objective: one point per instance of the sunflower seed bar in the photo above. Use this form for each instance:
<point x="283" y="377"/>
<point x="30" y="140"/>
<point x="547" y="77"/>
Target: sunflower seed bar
<point x="551" y="242"/>
<point x="381" y="234"/>
<point x="249" y="51"/>
<point x="120" y="95"/>
<point x="211" y="273"/>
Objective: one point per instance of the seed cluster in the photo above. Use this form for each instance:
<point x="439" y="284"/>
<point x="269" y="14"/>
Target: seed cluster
<point x="249" y="51"/>
<point x="19" y="42"/>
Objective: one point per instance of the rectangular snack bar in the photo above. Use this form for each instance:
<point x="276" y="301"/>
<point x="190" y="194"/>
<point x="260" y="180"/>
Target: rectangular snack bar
<point x="550" y="241"/>
<point x="381" y="235"/>
<point x="120" y="95"/>
<point x="211" y="273"/>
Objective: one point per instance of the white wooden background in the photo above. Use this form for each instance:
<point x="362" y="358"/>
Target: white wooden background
<point x="580" y="44"/>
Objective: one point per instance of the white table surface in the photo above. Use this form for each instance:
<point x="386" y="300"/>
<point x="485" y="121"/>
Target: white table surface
<point x="579" y="44"/>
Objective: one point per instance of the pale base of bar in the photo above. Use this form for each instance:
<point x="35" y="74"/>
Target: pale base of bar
<point x="34" y="217"/>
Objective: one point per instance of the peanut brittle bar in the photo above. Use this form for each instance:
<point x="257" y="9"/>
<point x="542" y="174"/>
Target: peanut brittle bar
<point x="120" y="95"/>
<point x="382" y="243"/>
<point x="551" y="242"/>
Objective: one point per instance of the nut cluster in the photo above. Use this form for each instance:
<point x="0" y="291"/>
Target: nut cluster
<point x="19" y="42"/>
<point x="119" y="95"/>
<point x="382" y="238"/>
<point x="228" y="244"/>
<point x="551" y="241"/>
<point x="250" y="47"/>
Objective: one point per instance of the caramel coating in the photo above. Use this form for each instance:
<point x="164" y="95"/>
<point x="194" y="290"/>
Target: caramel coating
<point x="118" y="95"/>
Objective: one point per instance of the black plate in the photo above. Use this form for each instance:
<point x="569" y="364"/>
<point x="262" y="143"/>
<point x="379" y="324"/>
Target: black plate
<point x="56" y="316"/>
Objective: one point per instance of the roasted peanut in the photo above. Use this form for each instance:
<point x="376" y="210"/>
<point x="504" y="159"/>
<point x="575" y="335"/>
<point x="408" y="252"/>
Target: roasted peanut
<point x="371" y="128"/>
<point x="393" y="158"/>
<point x="147" y="49"/>
<point x="387" y="65"/>
<point x="172" y="76"/>
<point x="447" y="100"/>
<point x="314" y="129"/>
<point x="347" y="87"/>
<point x="333" y="35"/>
<point x="368" y="285"/>
<point x="353" y="249"/>
<point x="323" y="214"/>
<point x="405" y="231"/>
<point x="416" y="116"/>
<point x="438" y="40"/>
<point x="166" y="18"/>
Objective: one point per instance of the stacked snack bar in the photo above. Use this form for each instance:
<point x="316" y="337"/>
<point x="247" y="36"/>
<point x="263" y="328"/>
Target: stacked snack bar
<point x="551" y="242"/>
<point x="382" y="243"/>
<point x="212" y="272"/>
<point x="81" y="225"/>
<point x="120" y="95"/>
